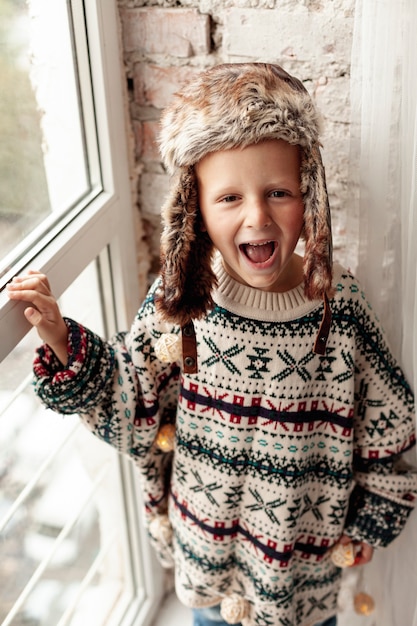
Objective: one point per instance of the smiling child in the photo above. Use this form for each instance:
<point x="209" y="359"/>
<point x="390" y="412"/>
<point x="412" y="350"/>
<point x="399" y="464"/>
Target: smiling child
<point x="290" y="413"/>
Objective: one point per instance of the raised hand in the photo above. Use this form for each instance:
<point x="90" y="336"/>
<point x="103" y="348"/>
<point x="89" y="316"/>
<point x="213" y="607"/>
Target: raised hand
<point x="43" y="312"/>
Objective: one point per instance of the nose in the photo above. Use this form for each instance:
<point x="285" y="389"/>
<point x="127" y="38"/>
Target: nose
<point x="257" y="216"/>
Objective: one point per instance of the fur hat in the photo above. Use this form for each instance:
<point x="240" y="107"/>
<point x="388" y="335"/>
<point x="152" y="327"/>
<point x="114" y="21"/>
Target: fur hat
<point x="225" y="107"/>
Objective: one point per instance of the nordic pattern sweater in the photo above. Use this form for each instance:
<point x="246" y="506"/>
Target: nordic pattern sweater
<point x="278" y="450"/>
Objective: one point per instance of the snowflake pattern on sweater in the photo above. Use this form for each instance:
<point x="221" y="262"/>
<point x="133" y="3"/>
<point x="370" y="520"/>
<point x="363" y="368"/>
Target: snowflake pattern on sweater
<point x="278" y="450"/>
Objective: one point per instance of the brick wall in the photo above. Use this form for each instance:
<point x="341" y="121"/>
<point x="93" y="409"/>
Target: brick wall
<point x="164" y="42"/>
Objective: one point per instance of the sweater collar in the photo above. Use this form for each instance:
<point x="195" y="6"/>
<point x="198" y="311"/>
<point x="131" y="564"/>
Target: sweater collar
<point x="257" y="304"/>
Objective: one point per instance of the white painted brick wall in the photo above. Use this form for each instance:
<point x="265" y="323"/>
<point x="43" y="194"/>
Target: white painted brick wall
<point x="317" y="40"/>
<point x="165" y="43"/>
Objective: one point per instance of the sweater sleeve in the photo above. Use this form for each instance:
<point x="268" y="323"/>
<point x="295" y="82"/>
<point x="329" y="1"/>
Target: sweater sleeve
<point x="385" y="488"/>
<point x="122" y="392"/>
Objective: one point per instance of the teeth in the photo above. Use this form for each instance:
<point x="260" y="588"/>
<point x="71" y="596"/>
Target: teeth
<point x="265" y="243"/>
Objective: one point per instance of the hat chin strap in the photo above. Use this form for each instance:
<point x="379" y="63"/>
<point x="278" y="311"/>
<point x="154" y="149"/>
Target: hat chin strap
<point x="324" y="330"/>
<point x="189" y="348"/>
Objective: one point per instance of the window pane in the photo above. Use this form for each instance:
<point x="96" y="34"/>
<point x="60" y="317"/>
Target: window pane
<point x="45" y="167"/>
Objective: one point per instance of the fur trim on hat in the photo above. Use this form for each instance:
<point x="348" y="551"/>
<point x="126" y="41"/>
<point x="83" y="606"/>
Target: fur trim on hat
<point x="186" y="254"/>
<point x="225" y="107"/>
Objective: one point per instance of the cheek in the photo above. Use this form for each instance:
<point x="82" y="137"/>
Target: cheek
<point x="219" y="231"/>
<point x="214" y="222"/>
<point x="298" y="221"/>
<point x="294" y="222"/>
<point x="299" y="227"/>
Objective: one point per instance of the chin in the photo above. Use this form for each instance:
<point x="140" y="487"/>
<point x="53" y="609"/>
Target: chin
<point x="263" y="285"/>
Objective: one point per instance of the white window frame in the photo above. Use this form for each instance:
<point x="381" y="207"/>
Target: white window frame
<point x="107" y="222"/>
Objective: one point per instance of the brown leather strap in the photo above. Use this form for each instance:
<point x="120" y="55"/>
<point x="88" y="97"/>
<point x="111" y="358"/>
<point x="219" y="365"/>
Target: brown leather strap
<point x="324" y="330"/>
<point x="189" y="348"/>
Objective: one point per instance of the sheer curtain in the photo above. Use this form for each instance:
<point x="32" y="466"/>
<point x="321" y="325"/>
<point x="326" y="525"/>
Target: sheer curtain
<point x="383" y="226"/>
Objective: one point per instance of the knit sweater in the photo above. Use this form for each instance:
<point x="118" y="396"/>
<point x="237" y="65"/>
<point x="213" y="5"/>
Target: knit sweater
<point x="278" y="450"/>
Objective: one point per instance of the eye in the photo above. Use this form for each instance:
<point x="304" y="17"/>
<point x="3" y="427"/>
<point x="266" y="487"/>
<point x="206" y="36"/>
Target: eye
<point x="278" y="193"/>
<point x="230" y="198"/>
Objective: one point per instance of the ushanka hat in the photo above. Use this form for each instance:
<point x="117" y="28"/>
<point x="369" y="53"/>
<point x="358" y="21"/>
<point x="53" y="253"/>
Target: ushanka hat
<point x="225" y="107"/>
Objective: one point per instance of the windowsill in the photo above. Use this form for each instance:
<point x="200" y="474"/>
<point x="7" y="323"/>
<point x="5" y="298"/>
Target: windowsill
<point x="173" y="613"/>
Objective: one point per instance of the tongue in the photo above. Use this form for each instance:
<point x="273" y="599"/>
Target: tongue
<point x="259" y="254"/>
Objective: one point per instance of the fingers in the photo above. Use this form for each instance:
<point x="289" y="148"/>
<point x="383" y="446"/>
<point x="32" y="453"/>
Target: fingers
<point x="26" y="287"/>
<point x="43" y="312"/>
<point x="344" y="540"/>
<point x="364" y="553"/>
<point x="34" y="289"/>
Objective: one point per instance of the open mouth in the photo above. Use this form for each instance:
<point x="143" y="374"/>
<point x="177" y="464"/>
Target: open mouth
<point x="259" y="252"/>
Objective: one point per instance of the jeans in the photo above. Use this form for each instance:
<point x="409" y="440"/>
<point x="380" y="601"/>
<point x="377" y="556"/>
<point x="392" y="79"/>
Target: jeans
<point x="211" y="617"/>
<point x="331" y="621"/>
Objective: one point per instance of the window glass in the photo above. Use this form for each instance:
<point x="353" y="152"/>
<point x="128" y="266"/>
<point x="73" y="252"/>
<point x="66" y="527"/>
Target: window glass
<point x="63" y="527"/>
<point x="45" y="166"/>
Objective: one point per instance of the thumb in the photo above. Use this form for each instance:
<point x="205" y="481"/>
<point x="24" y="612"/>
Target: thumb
<point x="33" y="316"/>
<point x="345" y="540"/>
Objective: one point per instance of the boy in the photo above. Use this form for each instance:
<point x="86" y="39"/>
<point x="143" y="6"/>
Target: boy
<point x="290" y="412"/>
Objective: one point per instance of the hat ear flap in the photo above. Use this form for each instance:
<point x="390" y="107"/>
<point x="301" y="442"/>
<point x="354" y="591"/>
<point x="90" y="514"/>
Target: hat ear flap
<point x="317" y="226"/>
<point x="186" y="255"/>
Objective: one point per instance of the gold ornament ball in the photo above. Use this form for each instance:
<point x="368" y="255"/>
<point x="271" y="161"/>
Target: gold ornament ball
<point x="343" y="555"/>
<point x="165" y="439"/>
<point x="364" y="604"/>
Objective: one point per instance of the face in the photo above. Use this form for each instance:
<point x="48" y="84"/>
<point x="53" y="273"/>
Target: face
<point x="252" y="209"/>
